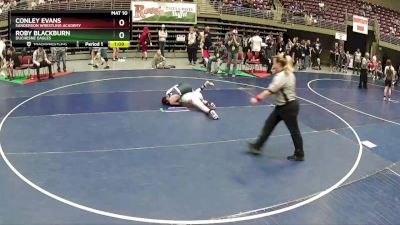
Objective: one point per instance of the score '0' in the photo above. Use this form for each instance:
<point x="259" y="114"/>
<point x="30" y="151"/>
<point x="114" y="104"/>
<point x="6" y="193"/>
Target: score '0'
<point x="121" y="23"/>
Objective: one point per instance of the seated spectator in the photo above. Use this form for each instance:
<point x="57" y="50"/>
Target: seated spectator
<point x="33" y="4"/>
<point x="42" y="2"/>
<point x="220" y="53"/>
<point x="40" y="60"/>
<point x="12" y="62"/>
<point x="321" y="5"/>
<point x="378" y="72"/>
<point x="308" y="18"/>
<point x="159" y="61"/>
<point x="6" y="6"/>
<point x="392" y="31"/>
<point x="320" y="14"/>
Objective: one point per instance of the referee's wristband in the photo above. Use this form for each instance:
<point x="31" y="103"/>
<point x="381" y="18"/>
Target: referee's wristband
<point x="258" y="98"/>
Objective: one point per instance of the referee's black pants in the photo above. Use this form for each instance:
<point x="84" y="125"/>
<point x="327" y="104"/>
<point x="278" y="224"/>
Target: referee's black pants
<point x="288" y="113"/>
<point x="363" y="78"/>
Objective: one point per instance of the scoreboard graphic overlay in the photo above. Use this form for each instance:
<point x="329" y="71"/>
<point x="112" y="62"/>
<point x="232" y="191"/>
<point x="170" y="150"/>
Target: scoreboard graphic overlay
<point x="75" y="28"/>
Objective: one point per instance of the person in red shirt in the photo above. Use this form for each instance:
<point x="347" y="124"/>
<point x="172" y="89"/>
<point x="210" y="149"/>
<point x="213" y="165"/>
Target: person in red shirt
<point x="144" y="41"/>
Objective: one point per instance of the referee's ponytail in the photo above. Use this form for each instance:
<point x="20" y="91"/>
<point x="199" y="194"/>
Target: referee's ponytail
<point x="286" y="62"/>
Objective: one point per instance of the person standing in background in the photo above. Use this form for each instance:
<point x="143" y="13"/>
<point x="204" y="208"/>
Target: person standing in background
<point x="390" y="74"/>
<point x="233" y="51"/>
<point x="115" y="54"/>
<point x="317" y="51"/>
<point x="307" y="52"/>
<point x="162" y="39"/>
<point x="191" y="45"/>
<point x="364" y="72"/>
<point x="246" y="46"/>
<point x="207" y="45"/>
<point x="144" y="41"/>
<point x="357" y="62"/>
<point x="255" y="43"/>
<point x="61" y="56"/>
<point x="346" y="66"/>
<point x="398" y="77"/>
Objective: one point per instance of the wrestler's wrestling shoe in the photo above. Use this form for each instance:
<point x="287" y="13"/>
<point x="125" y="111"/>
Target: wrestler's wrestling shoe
<point x="208" y="84"/>
<point x="211" y="105"/>
<point x="213" y="115"/>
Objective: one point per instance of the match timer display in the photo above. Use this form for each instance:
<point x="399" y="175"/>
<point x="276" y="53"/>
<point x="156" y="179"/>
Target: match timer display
<point x="72" y="28"/>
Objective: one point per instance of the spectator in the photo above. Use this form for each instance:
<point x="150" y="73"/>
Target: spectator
<point x="207" y="45"/>
<point x="42" y="2"/>
<point x="378" y="72"/>
<point x="12" y="62"/>
<point x="159" y="61"/>
<point x="342" y="58"/>
<point x="3" y="47"/>
<point x="270" y="48"/>
<point x="144" y="40"/>
<point x="357" y="62"/>
<point x="288" y="48"/>
<point x="228" y="35"/>
<point x="192" y="46"/>
<point x="307" y="53"/>
<point x="40" y="60"/>
<point x="245" y="45"/>
<point x="300" y="55"/>
<point x="316" y="54"/>
<point x="233" y="51"/>
<point x="162" y="39"/>
<point x="217" y="58"/>
<point x="308" y="18"/>
<point x="364" y="72"/>
<point x="397" y="80"/>
<point x="115" y="54"/>
<point x="255" y="43"/>
<point x="372" y="66"/>
<point x="320" y="14"/>
<point x="321" y="5"/>
<point x="332" y="58"/>
<point x="392" y="30"/>
<point x="280" y="46"/>
<point x="390" y="74"/>
<point x="61" y="56"/>
<point x="33" y="4"/>
<point x="13" y="4"/>
<point x="346" y="66"/>
<point x="101" y="56"/>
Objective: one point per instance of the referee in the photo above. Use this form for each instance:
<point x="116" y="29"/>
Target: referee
<point x="287" y="107"/>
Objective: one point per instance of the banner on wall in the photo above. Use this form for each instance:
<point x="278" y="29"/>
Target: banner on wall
<point x="360" y="24"/>
<point x="341" y="36"/>
<point x="164" y="12"/>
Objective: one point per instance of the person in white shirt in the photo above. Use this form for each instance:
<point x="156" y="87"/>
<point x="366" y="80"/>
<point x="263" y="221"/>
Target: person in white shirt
<point x="256" y="42"/>
<point x="162" y="39"/>
<point x="2" y="51"/>
<point x="390" y="76"/>
<point x="40" y="60"/>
